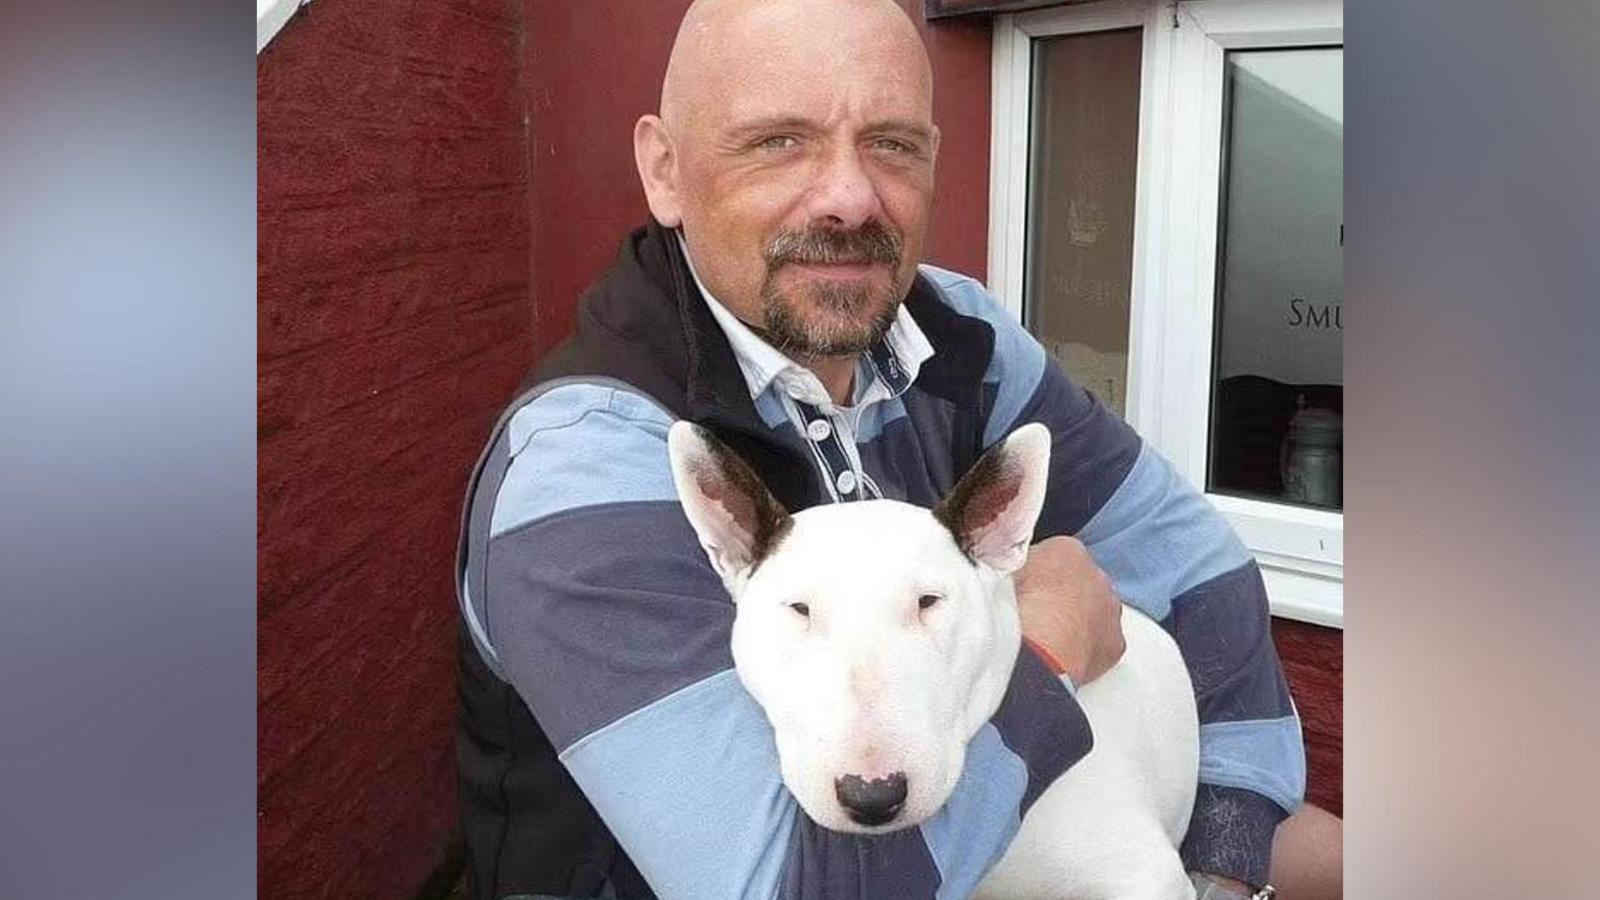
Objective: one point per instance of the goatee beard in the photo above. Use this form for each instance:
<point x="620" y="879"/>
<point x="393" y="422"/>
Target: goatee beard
<point x="842" y="318"/>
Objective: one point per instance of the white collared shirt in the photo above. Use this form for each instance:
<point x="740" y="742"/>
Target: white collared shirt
<point x="904" y="348"/>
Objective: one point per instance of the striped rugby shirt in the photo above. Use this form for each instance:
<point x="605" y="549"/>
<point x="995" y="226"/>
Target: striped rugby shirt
<point x="583" y="586"/>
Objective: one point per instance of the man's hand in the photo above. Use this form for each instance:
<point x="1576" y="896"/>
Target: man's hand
<point x="1067" y="606"/>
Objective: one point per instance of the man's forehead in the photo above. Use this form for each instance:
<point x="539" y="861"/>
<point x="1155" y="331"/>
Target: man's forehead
<point x="880" y="103"/>
<point x="746" y="59"/>
<point x="816" y="82"/>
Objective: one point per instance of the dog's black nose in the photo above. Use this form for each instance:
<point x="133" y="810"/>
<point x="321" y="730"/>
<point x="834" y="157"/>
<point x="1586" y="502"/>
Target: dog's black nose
<point x="871" y="802"/>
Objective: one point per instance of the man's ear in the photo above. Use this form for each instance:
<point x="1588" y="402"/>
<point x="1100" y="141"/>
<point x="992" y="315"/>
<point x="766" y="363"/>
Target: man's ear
<point x="992" y="510"/>
<point x="657" y="160"/>
<point x="738" y="520"/>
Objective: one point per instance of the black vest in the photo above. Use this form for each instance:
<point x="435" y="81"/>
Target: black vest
<point x="528" y="828"/>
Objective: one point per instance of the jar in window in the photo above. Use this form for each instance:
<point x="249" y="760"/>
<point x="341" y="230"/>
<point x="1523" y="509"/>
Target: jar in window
<point x="1310" y="460"/>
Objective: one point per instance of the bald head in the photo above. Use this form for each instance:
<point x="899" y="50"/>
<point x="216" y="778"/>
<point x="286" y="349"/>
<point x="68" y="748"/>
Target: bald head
<point x="794" y="151"/>
<point x="723" y="43"/>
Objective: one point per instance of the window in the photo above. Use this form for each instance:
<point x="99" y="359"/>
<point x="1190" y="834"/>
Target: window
<point x="1277" y="394"/>
<point x="1166" y="215"/>
<point x="1084" y="142"/>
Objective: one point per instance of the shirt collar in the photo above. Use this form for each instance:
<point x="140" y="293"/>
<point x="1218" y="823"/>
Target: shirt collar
<point x="895" y="360"/>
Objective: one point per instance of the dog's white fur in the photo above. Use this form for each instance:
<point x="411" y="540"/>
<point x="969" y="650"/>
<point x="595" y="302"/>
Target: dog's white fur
<point x="901" y="649"/>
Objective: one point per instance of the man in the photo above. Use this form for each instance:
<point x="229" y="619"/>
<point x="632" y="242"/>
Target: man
<point x="776" y="297"/>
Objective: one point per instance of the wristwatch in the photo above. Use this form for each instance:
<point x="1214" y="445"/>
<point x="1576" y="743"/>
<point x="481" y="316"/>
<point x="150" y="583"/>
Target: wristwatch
<point x="1208" y="888"/>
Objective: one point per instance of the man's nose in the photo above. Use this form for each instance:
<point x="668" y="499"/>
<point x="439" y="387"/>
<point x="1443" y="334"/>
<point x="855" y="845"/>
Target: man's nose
<point x="843" y="193"/>
<point x="872" y="802"/>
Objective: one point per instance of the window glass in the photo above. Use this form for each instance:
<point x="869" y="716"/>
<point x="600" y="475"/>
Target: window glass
<point x="1278" y="386"/>
<point x="1083" y="160"/>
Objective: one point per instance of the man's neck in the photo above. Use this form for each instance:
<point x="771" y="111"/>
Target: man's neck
<point x="837" y="374"/>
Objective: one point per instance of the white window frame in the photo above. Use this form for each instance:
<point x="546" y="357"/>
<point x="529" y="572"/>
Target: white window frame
<point x="1173" y="283"/>
<point x="271" y="16"/>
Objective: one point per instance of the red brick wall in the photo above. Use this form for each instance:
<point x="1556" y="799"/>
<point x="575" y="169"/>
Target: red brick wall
<point x="393" y="320"/>
<point x="1313" y="661"/>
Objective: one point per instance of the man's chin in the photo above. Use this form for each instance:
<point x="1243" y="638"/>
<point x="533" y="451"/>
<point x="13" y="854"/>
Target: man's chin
<point x="830" y="333"/>
<point x="829" y="317"/>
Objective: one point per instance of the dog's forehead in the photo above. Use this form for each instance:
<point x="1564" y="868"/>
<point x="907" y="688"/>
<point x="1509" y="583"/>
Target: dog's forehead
<point x="870" y="539"/>
<point x="887" y="521"/>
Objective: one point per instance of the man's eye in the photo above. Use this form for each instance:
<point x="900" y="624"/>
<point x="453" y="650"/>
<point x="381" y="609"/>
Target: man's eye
<point x="801" y="609"/>
<point x="927" y="601"/>
<point x="777" y="142"/>
<point x="896" y="146"/>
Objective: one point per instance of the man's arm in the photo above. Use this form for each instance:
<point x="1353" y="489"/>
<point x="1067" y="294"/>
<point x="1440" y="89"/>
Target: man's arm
<point x="1169" y="553"/>
<point x="606" y="616"/>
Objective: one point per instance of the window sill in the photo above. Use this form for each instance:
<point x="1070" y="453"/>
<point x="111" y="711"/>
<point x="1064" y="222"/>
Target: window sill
<point x="1301" y="596"/>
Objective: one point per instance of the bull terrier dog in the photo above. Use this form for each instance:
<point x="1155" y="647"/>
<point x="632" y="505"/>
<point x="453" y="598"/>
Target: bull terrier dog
<point x="879" y="637"/>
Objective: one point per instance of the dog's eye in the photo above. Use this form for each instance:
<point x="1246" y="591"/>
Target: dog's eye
<point x="802" y="609"/>
<point x="926" y="601"/>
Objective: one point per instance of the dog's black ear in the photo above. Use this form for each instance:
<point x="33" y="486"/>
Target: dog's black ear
<point x="992" y="510"/>
<point x="738" y="520"/>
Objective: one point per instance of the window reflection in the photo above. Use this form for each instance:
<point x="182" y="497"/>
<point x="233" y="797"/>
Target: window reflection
<point x="1278" y="389"/>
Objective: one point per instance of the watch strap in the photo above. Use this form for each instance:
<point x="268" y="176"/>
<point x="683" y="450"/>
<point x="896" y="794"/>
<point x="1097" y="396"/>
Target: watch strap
<point x="1208" y="888"/>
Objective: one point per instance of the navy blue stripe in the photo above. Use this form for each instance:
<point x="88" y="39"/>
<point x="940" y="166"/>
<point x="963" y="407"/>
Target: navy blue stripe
<point x="928" y="458"/>
<point x="1041" y="721"/>
<point x="825" y="864"/>
<point x="905" y="467"/>
<point x="1016" y="362"/>
<point x="1091" y="452"/>
<point x="1231" y="834"/>
<point x="1223" y="627"/>
<point x="888" y="367"/>
<point x="596" y="612"/>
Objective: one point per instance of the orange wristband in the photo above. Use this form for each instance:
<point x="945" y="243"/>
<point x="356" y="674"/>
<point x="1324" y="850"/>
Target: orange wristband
<point x="1048" y="657"/>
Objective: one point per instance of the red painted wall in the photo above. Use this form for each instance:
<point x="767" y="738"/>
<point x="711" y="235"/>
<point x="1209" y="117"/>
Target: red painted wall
<point x="393" y="320"/>
<point x="594" y="67"/>
<point x="1313" y="661"/>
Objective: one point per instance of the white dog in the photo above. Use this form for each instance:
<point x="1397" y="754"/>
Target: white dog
<point x="879" y="638"/>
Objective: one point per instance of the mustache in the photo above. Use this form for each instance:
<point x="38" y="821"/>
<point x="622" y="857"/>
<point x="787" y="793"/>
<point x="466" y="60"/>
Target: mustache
<point x="873" y="242"/>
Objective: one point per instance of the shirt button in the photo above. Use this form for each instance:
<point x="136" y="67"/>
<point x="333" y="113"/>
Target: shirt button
<point x="818" y="429"/>
<point x="846" y="482"/>
<point x="795" y="390"/>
